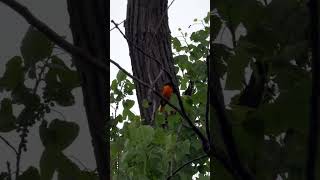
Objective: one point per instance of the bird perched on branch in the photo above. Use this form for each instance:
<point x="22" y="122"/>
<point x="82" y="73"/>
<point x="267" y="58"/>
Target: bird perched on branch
<point x="166" y="91"/>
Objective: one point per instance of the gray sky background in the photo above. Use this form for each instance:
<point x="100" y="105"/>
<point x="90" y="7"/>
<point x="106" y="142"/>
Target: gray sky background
<point x="54" y="13"/>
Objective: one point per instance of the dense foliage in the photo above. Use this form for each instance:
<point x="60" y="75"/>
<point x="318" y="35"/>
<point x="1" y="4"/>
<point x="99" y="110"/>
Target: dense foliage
<point x="144" y="152"/>
<point x="263" y="54"/>
<point x="33" y="84"/>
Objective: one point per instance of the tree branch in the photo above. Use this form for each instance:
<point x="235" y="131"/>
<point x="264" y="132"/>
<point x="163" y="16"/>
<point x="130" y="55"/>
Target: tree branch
<point x="53" y="36"/>
<point x="217" y="102"/>
<point x="218" y="154"/>
<point x="8" y="143"/>
<point x="189" y="162"/>
<point x="9" y="170"/>
<point x="182" y="111"/>
<point x="147" y="85"/>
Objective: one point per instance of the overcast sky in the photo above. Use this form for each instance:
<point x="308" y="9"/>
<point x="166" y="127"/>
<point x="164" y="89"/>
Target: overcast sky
<point x="54" y="13"/>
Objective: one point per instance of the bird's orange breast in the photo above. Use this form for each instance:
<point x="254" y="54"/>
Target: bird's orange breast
<point x="167" y="91"/>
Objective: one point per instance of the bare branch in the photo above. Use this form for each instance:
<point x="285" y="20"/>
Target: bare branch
<point x="8" y="143"/>
<point x="117" y="24"/>
<point x="217" y="102"/>
<point x="76" y="159"/>
<point x="9" y="170"/>
<point x="189" y="162"/>
<point x="217" y="153"/>
<point x="53" y="36"/>
<point x="180" y="111"/>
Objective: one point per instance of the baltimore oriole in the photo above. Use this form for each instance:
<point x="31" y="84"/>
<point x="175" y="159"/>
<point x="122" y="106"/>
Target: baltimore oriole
<point x="166" y="91"/>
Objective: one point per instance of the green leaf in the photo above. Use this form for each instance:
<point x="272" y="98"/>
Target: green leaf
<point x="30" y="174"/>
<point x="182" y="61"/>
<point x="121" y="76"/>
<point x="119" y="118"/>
<point x="87" y="175"/>
<point x="59" y="135"/>
<point x="294" y="152"/>
<point x="234" y="11"/>
<point x="48" y="163"/>
<point x="207" y="18"/>
<point x="159" y="169"/>
<point x="23" y="95"/>
<point x="270" y="160"/>
<point x="236" y="68"/>
<point x="183" y="148"/>
<point x="114" y="85"/>
<point x="7" y="119"/>
<point x="176" y="44"/>
<point x="128" y="87"/>
<point x="203" y="177"/>
<point x="159" y="136"/>
<point x="35" y="47"/>
<point x="174" y="121"/>
<point x="14" y="75"/>
<point x="290" y="110"/>
<point x="60" y="81"/>
<point x="199" y="36"/>
<point x="67" y="169"/>
<point x="128" y="104"/>
<point x="142" y="135"/>
<point x="160" y="119"/>
<point x="67" y="77"/>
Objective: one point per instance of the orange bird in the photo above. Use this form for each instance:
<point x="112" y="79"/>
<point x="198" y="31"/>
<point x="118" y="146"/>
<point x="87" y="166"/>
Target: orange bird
<point x="166" y="91"/>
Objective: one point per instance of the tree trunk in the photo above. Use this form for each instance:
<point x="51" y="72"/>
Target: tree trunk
<point x="88" y="22"/>
<point x="149" y="42"/>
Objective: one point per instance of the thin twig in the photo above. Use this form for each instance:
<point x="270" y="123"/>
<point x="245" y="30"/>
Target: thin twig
<point x="9" y="170"/>
<point x="53" y="36"/>
<point x="217" y="102"/>
<point x="117" y="24"/>
<point x="60" y="113"/>
<point x="163" y="15"/>
<point x="8" y="143"/>
<point x="218" y="154"/>
<point x="145" y="84"/>
<point x="185" y="40"/>
<point x="184" y="165"/>
<point x="18" y="158"/>
<point x="76" y="159"/>
<point x="154" y="82"/>
<point x="180" y="111"/>
<point x="183" y="113"/>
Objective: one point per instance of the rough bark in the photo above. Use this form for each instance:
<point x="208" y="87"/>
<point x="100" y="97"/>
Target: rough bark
<point x="88" y="22"/>
<point x="147" y="29"/>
